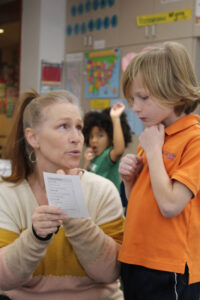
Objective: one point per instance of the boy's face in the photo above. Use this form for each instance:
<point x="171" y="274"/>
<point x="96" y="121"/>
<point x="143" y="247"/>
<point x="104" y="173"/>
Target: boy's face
<point x="146" y="108"/>
<point x="98" y="140"/>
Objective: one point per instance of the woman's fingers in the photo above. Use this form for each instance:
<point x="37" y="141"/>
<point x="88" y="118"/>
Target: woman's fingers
<point x="46" y="219"/>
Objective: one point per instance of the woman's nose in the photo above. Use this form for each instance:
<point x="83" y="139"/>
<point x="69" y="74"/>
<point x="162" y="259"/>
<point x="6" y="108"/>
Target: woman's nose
<point x="75" y="135"/>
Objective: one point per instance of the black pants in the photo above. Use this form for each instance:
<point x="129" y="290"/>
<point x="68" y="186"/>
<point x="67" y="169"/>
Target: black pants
<point x="141" y="283"/>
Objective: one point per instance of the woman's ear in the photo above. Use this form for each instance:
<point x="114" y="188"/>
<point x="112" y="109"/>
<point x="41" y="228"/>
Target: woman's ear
<point x="32" y="138"/>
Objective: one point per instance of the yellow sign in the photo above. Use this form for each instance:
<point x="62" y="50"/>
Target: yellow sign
<point x="171" y="16"/>
<point x="99" y="103"/>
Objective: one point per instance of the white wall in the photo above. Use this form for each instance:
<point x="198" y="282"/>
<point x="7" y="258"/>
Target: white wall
<point x="43" y="38"/>
<point x="52" y="34"/>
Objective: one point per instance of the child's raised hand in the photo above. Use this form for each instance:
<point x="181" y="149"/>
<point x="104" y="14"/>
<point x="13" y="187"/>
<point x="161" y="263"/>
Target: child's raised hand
<point x="116" y="110"/>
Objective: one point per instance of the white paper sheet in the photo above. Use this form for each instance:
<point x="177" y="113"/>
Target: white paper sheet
<point x="65" y="192"/>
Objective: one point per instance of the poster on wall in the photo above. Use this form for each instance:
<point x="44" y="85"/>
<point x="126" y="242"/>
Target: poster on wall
<point x="51" y="77"/>
<point x="102" y="73"/>
<point x="74" y="62"/>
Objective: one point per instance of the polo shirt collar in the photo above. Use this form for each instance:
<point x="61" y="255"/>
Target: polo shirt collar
<point x="182" y="123"/>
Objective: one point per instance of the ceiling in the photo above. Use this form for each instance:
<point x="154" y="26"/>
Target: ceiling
<point x="10" y="20"/>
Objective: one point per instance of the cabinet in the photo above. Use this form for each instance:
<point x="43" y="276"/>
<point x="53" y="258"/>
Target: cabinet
<point x="91" y="23"/>
<point x="130" y="33"/>
<point x="174" y="30"/>
<point x="114" y="23"/>
<point x="133" y="34"/>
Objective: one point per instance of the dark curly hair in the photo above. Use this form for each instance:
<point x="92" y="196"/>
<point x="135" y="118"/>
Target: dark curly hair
<point x="103" y="121"/>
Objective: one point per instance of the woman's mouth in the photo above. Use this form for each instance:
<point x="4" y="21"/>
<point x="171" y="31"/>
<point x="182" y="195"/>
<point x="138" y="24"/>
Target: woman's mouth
<point x="75" y="153"/>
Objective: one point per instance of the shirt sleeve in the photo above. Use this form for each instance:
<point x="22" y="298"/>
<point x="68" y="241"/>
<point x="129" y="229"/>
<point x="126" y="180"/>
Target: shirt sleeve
<point x="189" y="168"/>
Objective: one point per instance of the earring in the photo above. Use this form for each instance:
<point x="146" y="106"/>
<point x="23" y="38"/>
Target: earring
<point x="32" y="157"/>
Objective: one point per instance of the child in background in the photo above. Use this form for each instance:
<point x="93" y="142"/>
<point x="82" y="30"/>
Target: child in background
<point x="106" y="133"/>
<point x="161" y="247"/>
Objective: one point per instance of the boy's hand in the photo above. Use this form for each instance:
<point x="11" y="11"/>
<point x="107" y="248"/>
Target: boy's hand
<point x="117" y="110"/>
<point x="152" y="138"/>
<point x="130" y="166"/>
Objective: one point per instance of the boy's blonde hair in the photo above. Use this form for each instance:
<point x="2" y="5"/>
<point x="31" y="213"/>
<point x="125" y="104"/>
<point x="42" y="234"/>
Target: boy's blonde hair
<point x="168" y="74"/>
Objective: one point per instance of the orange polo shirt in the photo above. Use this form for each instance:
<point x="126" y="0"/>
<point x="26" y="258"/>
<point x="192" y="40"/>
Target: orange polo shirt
<point x="160" y="243"/>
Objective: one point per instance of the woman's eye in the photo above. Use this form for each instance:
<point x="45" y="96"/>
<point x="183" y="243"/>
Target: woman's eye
<point x="80" y="127"/>
<point x="63" y="126"/>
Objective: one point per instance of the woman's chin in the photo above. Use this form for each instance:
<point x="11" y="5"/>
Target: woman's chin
<point x="71" y="166"/>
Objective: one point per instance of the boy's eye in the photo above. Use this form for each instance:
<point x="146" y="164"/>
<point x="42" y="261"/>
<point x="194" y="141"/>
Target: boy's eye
<point x="144" y="97"/>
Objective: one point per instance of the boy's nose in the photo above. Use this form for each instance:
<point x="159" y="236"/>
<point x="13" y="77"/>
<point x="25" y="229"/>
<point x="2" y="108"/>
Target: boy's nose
<point x="136" y="106"/>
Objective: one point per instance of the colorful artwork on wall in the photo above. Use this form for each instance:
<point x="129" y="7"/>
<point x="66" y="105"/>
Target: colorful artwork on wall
<point x="102" y="72"/>
<point x="51" y="76"/>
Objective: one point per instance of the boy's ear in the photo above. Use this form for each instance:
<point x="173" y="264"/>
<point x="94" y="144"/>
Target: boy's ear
<point x="32" y="138"/>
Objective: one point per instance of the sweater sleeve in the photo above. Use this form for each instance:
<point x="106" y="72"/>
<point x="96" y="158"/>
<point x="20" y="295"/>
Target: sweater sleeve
<point x="96" y="240"/>
<point x="19" y="259"/>
<point x="20" y="250"/>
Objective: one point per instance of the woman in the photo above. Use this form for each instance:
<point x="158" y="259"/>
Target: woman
<point x="80" y="260"/>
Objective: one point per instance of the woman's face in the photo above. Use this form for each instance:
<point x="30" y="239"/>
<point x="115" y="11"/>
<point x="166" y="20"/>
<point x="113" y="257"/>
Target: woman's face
<point x="59" y="138"/>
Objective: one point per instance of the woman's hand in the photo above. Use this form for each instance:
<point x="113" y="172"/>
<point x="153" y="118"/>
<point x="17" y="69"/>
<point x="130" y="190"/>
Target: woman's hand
<point x="46" y="219"/>
<point x="75" y="171"/>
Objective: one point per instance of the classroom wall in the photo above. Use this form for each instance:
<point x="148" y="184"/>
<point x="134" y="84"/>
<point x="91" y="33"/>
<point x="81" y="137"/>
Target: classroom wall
<point x="127" y="35"/>
<point x="85" y="34"/>
<point x="43" y="38"/>
<point x="44" y="34"/>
